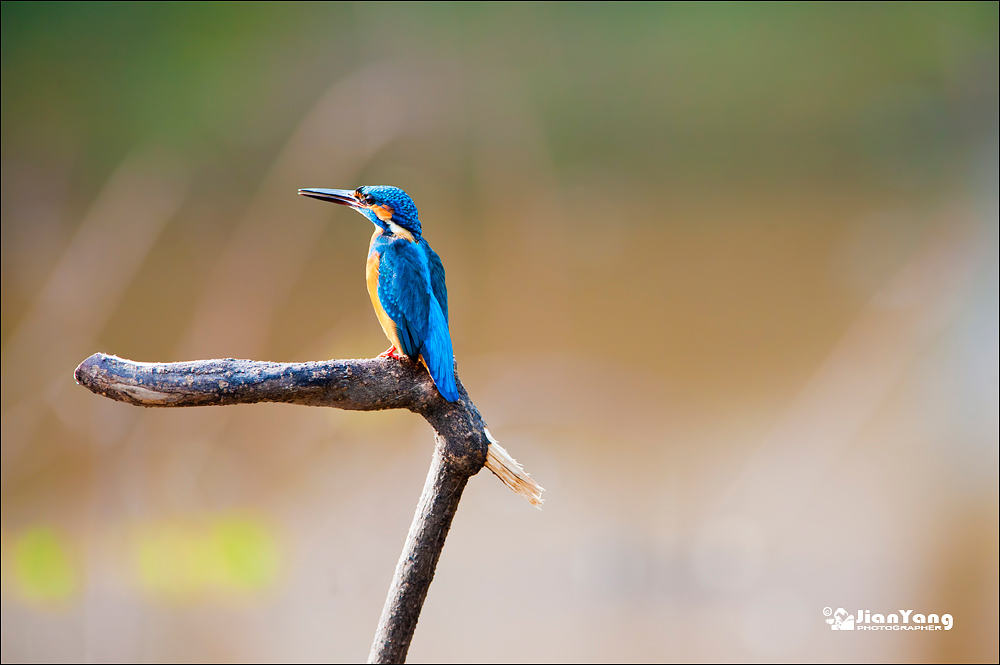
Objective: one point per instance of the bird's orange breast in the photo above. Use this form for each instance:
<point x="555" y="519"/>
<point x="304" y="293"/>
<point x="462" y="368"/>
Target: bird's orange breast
<point x="371" y="277"/>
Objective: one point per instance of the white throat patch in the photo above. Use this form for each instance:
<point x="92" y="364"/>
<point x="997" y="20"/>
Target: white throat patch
<point x="400" y="231"/>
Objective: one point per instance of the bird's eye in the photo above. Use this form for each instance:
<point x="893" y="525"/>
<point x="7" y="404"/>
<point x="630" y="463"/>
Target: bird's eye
<point x="364" y="198"/>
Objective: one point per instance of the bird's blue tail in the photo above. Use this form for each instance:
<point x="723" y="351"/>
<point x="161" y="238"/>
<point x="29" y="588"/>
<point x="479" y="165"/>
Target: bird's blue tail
<point x="438" y="354"/>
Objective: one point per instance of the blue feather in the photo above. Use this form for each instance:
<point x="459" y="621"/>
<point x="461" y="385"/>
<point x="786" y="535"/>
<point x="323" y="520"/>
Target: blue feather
<point x="408" y="287"/>
<point x="437" y="279"/>
<point x="403" y="291"/>
<point x="438" y="354"/>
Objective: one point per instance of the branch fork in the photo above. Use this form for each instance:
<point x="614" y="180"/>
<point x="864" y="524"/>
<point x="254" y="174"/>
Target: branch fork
<point x="463" y="443"/>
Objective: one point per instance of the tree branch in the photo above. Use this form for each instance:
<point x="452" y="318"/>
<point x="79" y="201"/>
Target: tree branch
<point x="424" y="542"/>
<point x="366" y="385"/>
<point x="463" y="444"/>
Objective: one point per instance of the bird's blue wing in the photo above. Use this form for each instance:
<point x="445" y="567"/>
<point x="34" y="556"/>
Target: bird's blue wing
<point x="438" y="285"/>
<point x="407" y="293"/>
<point x="437" y="353"/>
<point x="403" y="292"/>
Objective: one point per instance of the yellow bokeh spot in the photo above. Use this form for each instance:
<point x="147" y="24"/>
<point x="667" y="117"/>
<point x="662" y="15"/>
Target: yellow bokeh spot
<point x="181" y="560"/>
<point x="42" y="566"/>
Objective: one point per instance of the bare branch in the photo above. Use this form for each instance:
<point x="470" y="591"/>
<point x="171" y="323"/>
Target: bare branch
<point x="424" y="542"/>
<point x="368" y="385"/>
<point x="360" y="385"/>
<point x="463" y="445"/>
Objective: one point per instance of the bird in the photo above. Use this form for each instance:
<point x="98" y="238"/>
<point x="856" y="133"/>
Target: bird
<point x="406" y="283"/>
<point x="405" y="278"/>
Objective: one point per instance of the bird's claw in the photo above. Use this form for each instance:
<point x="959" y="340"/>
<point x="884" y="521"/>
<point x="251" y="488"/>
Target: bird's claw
<point x="390" y="353"/>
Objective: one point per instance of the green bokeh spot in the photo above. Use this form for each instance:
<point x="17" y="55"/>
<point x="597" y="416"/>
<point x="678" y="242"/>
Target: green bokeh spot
<point x="248" y="553"/>
<point x="42" y="566"/>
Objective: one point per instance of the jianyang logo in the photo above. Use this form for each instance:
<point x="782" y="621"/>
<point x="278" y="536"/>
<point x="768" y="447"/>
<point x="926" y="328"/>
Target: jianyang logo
<point x="903" y="620"/>
<point x="841" y="619"/>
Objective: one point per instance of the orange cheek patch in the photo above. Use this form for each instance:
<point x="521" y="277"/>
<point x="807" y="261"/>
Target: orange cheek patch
<point x="383" y="212"/>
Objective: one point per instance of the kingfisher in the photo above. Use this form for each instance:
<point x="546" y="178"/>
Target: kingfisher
<point x="405" y="280"/>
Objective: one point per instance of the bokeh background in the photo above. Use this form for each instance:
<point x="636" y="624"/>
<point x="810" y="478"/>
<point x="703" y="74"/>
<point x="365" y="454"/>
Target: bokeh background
<point x="722" y="276"/>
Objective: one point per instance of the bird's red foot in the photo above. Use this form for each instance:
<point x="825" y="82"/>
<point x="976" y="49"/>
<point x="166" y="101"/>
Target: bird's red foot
<point x="390" y="353"/>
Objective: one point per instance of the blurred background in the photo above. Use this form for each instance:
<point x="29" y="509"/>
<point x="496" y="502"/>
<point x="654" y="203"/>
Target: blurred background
<point x="723" y="277"/>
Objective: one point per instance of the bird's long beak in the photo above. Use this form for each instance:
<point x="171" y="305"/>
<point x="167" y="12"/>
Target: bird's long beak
<point x="342" y="196"/>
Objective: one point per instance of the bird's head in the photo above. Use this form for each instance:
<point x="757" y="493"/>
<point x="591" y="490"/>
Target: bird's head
<point x="388" y="208"/>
